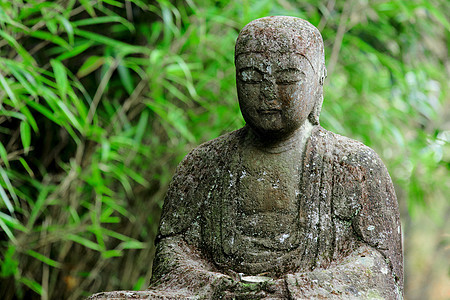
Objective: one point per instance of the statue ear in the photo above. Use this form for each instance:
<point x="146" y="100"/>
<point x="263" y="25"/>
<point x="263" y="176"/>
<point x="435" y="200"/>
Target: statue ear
<point x="315" y="113"/>
<point x="324" y="75"/>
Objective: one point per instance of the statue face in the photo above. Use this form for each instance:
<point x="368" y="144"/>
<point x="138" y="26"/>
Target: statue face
<point x="276" y="91"/>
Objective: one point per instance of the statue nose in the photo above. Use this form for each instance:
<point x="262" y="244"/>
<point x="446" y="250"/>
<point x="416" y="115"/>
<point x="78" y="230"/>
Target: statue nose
<point x="269" y="91"/>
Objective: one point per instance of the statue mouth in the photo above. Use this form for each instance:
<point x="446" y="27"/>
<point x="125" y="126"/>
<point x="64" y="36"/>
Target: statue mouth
<point x="270" y="111"/>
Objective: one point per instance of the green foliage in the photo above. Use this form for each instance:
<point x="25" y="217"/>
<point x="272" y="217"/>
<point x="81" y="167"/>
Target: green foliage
<point x="100" y="99"/>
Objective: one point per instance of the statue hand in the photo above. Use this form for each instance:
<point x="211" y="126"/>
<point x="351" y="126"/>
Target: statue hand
<point x="228" y="288"/>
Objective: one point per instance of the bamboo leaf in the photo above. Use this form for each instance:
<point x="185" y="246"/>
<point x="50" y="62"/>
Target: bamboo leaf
<point x="111" y="253"/>
<point x="52" y="26"/>
<point x="116" y="235"/>
<point x="20" y="50"/>
<point x="44" y="259"/>
<point x="90" y="65"/>
<point x="70" y="116"/>
<point x="12" y="222"/>
<point x="126" y="78"/>
<point x="6" y="200"/>
<point x="88" y="6"/>
<point x="123" y="179"/>
<point x="133" y="245"/>
<point x="51" y="38"/>
<point x="32" y="285"/>
<point x="68" y="26"/>
<point x="38" y="206"/>
<point x="141" y="126"/>
<point x="4" y="17"/>
<point x="25" y="82"/>
<point x="29" y="117"/>
<point x="43" y="110"/>
<point x="26" y="166"/>
<point x="13" y="114"/>
<point x="106" y="149"/>
<point x="113" y="2"/>
<point x="8" y="91"/>
<point x="85" y="242"/>
<point x="118" y="45"/>
<point x="4" y="155"/>
<point x="75" y="50"/>
<point x="136" y="176"/>
<point x="114" y="204"/>
<point x="9" y="186"/>
<point x="9" y="265"/>
<point x="25" y="135"/>
<point x="6" y="228"/>
<point x="61" y="78"/>
<point x="105" y="19"/>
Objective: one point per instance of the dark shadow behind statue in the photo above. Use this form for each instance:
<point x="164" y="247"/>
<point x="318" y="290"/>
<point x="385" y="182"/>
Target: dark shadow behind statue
<point x="280" y="208"/>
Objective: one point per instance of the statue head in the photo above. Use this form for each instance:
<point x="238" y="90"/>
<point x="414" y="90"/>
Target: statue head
<point x="280" y="69"/>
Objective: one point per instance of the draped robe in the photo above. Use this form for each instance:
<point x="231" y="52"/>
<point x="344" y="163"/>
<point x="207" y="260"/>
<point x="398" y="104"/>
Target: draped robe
<point x="346" y="240"/>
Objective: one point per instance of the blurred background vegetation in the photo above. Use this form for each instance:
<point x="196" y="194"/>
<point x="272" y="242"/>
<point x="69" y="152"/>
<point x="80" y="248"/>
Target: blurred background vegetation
<point x="100" y="100"/>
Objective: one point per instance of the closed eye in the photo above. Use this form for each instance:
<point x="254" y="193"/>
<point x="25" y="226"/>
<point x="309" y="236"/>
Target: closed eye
<point x="250" y="75"/>
<point x="289" y="76"/>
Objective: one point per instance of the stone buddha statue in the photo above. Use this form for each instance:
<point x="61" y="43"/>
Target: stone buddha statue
<point x="281" y="208"/>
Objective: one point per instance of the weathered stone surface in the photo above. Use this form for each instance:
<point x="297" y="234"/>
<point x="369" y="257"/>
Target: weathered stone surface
<point x="312" y="212"/>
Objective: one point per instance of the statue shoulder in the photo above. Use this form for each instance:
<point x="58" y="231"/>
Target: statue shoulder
<point x="357" y="169"/>
<point x="353" y="152"/>
<point x="185" y="193"/>
<point x="213" y="150"/>
<point x="360" y="178"/>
